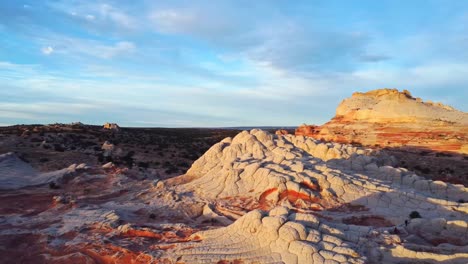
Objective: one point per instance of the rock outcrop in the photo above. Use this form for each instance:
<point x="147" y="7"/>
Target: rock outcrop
<point x="111" y="126"/>
<point x="320" y="203"/>
<point x="388" y="117"/>
<point x="15" y="173"/>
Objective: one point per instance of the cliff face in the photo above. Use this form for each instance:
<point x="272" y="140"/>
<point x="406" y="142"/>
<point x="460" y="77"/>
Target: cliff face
<point x="388" y="117"/>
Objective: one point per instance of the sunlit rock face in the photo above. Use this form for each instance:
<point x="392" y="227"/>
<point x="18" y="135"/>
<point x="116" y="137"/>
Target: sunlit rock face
<point x="254" y="198"/>
<point x="388" y="117"/>
<point x="298" y="200"/>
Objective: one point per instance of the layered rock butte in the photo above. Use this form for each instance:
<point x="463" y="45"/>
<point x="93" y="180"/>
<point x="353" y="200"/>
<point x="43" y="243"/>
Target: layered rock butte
<point x="254" y="198"/>
<point x="388" y="117"/>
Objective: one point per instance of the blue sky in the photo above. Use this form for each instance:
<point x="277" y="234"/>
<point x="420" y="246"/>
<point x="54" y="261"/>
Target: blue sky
<point x="223" y="63"/>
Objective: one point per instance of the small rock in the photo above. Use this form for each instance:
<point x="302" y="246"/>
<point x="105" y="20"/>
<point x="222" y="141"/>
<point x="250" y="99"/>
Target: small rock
<point x="108" y="165"/>
<point x="82" y="166"/>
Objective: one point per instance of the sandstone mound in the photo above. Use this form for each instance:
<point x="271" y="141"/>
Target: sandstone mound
<point x="16" y="173"/>
<point x="277" y="237"/>
<point x="391" y="105"/>
<point x="340" y="204"/>
<point x="388" y="117"/>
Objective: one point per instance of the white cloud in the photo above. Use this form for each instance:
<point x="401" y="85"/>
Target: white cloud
<point x="108" y="12"/>
<point x="77" y="47"/>
<point x="101" y="14"/>
<point x="426" y="75"/>
<point x="173" y="21"/>
<point x="47" y="50"/>
<point x="207" y="22"/>
<point x="106" y="51"/>
<point x="12" y="113"/>
<point x="90" y="17"/>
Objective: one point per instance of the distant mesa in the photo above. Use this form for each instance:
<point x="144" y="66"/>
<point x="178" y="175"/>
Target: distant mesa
<point x="111" y="126"/>
<point x="388" y="117"/>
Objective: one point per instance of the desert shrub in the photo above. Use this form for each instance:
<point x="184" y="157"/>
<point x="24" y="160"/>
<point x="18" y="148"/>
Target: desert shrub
<point x="58" y="147"/>
<point x="43" y="159"/>
<point x="53" y="185"/>
<point x="423" y="170"/>
<point x="172" y="169"/>
<point x="440" y="154"/>
<point x="426" y="170"/>
<point x="415" y="214"/>
<point x="128" y="161"/>
<point x="183" y="164"/>
<point x="142" y="164"/>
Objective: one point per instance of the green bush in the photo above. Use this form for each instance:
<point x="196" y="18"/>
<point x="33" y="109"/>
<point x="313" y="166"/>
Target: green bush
<point x="414" y="214"/>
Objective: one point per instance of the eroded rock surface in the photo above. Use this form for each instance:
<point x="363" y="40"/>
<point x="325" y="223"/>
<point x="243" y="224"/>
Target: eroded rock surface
<point x="339" y="204"/>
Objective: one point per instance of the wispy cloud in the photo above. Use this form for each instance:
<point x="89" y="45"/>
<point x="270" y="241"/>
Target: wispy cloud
<point x="47" y="50"/>
<point x="374" y="57"/>
<point x="98" y="13"/>
<point x="71" y="46"/>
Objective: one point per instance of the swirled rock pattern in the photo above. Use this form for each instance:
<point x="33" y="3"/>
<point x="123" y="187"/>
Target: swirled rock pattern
<point x="338" y="204"/>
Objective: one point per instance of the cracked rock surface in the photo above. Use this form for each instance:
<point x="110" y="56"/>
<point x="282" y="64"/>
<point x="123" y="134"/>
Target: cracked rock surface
<point x="321" y="203"/>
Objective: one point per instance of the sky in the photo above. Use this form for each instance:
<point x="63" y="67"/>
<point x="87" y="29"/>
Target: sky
<point x="223" y="63"/>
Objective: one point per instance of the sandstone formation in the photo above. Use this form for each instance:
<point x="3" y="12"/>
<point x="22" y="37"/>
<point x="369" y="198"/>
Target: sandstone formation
<point x="281" y="132"/>
<point x="253" y="198"/>
<point x="111" y="126"/>
<point x="107" y="149"/>
<point x="338" y="204"/>
<point x="18" y="174"/>
<point x="388" y="117"/>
